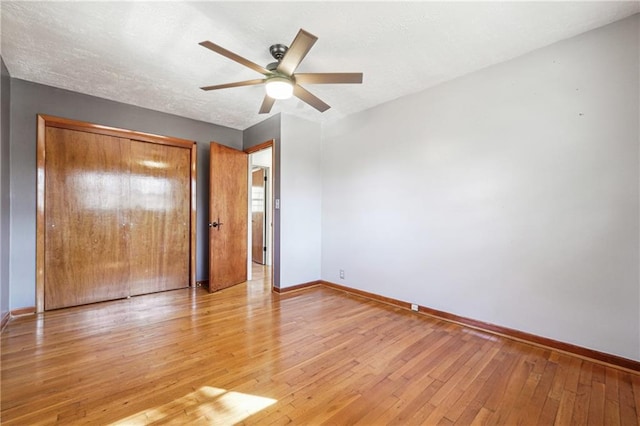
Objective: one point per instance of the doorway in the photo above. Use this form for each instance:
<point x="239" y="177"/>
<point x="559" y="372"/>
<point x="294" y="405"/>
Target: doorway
<point x="259" y="214"/>
<point x="230" y="216"/>
<point x="260" y="235"/>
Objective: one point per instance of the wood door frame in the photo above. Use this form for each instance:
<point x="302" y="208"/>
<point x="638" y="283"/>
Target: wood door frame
<point x="45" y="121"/>
<point x="265" y="145"/>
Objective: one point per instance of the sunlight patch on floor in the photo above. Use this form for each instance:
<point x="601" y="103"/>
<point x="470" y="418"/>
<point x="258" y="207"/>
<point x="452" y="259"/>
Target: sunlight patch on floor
<point x="206" y="404"/>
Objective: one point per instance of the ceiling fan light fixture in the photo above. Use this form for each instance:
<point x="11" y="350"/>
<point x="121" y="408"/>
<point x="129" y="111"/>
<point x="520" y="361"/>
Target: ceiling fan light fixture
<point x="279" y="88"/>
<point x="280" y="77"/>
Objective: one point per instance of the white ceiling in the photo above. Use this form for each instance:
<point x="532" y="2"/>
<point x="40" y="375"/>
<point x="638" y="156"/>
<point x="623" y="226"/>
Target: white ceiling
<point x="147" y="53"/>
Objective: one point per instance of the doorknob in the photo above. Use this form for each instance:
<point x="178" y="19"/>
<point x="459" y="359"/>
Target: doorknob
<point x="215" y="224"/>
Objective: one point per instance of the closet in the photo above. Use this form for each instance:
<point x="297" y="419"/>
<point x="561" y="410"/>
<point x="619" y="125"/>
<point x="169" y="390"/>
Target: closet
<point x="116" y="213"/>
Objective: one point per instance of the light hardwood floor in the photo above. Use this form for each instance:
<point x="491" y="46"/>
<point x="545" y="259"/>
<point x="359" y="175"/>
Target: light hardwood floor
<point x="246" y="355"/>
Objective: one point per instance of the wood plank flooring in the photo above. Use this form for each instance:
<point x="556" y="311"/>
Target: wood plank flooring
<point x="317" y="356"/>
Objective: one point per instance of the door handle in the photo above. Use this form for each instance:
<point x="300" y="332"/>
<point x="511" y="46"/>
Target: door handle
<point x="216" y="224"/>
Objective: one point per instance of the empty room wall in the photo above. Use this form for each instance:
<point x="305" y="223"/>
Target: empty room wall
<point x="300" y="201"/>
<point x="298" y="189"/>
<point x="29" y="99"/>
<point x="5" y="200"/>
<point x="509" y="195"/>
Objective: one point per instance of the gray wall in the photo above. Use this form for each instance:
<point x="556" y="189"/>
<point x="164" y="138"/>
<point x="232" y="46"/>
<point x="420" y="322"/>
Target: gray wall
<point x="5" y="199"/>
<point x="255" y="135"/>
<point x="509" y="195"/>
<point x="29" y="99"/>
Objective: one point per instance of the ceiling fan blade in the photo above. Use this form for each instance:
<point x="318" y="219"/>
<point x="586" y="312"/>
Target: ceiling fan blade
<point x="329" y="78"/>
<point x="299" y="48"/>
<point x="267" y="103"/>
<point x="239" y="59"/>
<point x="236" y="84"/>
<point x="310" y="98"/>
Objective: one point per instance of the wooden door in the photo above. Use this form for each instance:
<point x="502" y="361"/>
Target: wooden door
<point x="228" y="212"/>
<point x="258" y="210"/>
<point x="86" y="179"/>
<point x="102" y="233"/>
<point x="159" y="211"/>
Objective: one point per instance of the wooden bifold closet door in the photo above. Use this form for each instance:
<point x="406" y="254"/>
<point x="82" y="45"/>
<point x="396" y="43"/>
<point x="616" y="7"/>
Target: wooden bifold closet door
<point x="159" y="216"/>
<point x="86" y="181"/>
<point x="117" y="217"/>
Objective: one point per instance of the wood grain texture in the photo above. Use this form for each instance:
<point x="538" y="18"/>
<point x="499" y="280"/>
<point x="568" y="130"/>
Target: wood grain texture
<point x="500" y="330"/>
<point x="5" y="320"/>
<point x="257" y="237"/>
<point x="66" y="123"/>
<point x="193" y="211"/>
<point x="159" y="217"/>
<point x="228" y="204"/>
<point x="260" y="147"/>
<point x="86" y="251"/>
<point x="245" y="355"/>
<point x="297" y="287"/>
<point x="95" y="196"/>
<point x="28" y="310"/>
<point x="258" y="209"/>
<point x="40" y="218"/>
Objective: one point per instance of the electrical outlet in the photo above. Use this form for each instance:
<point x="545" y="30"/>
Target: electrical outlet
<point x="414" y="307"/>
<point x="342" y="274"/>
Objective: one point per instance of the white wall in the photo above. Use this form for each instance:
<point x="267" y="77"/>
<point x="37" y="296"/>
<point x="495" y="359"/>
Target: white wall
<point x="509" y="195"/>
<point x="300" y="201"/>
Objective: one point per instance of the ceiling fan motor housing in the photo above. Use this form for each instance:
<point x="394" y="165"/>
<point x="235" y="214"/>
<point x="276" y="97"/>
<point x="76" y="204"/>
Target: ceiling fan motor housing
<point x="278" y="51"/>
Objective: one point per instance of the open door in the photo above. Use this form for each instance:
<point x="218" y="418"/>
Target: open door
<point x="228" y="200"/>
<point x="258" y="216"/>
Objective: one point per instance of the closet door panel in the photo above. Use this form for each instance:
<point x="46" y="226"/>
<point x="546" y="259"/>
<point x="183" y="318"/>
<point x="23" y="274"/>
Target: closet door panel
<point x="160" y="217"/>
<point x="85" y="227"/>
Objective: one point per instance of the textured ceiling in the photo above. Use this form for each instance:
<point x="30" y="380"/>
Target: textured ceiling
<point x="147" y="53"/>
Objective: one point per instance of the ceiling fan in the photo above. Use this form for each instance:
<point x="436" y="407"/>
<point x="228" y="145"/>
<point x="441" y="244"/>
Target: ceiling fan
<point x="280" y="77"/>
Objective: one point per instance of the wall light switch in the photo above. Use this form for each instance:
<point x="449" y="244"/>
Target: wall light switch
<point x="277" y="203"/>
